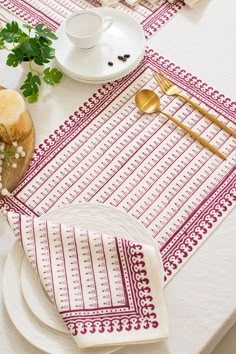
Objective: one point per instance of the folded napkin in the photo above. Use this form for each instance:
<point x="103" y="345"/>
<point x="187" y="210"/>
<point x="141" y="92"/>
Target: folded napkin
<point x="107" y="289"/>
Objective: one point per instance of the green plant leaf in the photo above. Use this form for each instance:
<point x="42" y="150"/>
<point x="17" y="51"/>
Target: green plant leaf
<point x="2" y="45"/>
<point x="35" y="45"/>
<point x="52" y="76"/>
<point x="46" y="53"/>
<point x="15" y="58"/>
<point x="30" y="48"/>
<point x="23" y="38"/>
<point x="11" y="32"/>
<point x="34" y="97"/>
<point x="30" y="87"/>
<point x="44" y="32"/>
<point x="27" y="26"/>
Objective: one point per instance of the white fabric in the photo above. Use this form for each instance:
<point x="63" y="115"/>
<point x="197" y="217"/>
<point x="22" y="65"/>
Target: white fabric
<point x="190" y="3"/>
<point x="109" y="2"/>
<point x="107" y="290"/>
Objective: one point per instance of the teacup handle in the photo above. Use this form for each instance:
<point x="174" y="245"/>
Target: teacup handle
<point x="107" y="22"/>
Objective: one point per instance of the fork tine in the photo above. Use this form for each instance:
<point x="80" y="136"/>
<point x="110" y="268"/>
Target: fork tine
<point x="158" y="79"/>
<point x="164" y="78"/>
<point x="165" y="81"/>
<point x="161" y="82"/>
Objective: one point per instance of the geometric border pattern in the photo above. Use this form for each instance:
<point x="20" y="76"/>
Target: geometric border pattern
<point x="138" y="312"/>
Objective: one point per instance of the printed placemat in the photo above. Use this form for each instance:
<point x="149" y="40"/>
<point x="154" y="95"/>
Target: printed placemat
<point x="152" y="16"/>
<point x="109" y="152"/>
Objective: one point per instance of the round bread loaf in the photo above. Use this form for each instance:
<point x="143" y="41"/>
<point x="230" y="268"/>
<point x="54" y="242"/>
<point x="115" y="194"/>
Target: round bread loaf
<point x="15" y="120"/>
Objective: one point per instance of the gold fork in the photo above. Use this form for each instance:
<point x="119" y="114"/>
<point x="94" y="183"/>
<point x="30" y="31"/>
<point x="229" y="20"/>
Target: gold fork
<point x="171" y="89"/>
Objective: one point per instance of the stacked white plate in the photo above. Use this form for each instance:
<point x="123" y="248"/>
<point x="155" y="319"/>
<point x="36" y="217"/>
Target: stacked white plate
<point x="124" y="37"/>
<point x="27" y="303"/>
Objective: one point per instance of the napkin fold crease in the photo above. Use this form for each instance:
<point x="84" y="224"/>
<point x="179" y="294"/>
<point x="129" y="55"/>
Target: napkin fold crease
<point x="107" y="289"/>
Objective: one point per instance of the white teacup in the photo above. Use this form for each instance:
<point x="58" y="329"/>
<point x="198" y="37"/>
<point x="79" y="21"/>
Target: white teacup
<point x="85" y="28"/>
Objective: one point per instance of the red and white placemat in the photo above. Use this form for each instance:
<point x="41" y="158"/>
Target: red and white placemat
<point x="108" y="152"/>
<point x="152" y="16"/>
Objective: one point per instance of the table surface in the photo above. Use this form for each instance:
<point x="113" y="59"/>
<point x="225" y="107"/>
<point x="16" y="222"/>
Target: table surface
<point x="201" y="296"/>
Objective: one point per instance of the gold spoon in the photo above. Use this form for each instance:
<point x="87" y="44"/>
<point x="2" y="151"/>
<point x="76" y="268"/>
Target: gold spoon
<point x="148" y="102"/>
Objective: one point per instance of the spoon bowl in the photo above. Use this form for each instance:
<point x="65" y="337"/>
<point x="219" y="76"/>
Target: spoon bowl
<point x="147" y="101"/>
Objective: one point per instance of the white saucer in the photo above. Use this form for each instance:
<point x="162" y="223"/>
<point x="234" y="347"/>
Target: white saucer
<point x="104" y="81"/>
<point x="125" y="36"/>
<point x="93" y="216"/>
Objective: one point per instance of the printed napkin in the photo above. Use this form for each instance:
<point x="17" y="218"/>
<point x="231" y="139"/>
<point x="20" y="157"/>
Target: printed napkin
<point x="107" y="289"/>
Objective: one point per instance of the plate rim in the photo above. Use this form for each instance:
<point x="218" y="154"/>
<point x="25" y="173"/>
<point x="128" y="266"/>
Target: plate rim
<point x="23" y="274"/>
<point x="101" y="82"/>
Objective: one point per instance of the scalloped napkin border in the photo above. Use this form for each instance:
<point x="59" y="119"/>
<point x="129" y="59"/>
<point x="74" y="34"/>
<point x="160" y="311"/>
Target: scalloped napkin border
<point x="176" y="248"/>
<point x="151" y="16"/>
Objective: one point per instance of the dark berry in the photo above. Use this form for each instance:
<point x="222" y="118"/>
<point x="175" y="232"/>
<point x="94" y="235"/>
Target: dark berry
<point x="110" y="63"/>
<point x="120" y="57"/>
<point x="127" y="56"/>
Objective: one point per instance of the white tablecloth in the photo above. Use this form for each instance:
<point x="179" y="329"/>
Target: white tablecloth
<point x="201" y="297"/>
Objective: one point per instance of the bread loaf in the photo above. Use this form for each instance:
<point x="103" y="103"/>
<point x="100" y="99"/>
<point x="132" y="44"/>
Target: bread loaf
<point x="15" y="121"/>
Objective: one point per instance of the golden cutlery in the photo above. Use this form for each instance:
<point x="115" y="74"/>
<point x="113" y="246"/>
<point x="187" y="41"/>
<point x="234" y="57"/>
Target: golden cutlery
<point x="171" y="89"/>
<point x="148" y="101"/>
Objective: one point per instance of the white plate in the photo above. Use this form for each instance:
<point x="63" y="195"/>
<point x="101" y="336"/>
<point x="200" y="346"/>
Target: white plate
<point x="37" y="300"/>
<point x="97" y="82"/>
<point x="93" y="216"/>
<point x="125" y="36"/>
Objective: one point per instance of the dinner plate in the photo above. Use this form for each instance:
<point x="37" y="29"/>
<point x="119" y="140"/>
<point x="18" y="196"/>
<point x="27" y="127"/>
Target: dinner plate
<point x="125" y="36"/>
<point x="92" y="216"/>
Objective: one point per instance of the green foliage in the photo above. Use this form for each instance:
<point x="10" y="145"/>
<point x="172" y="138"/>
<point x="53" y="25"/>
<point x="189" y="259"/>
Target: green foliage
<point x="31" y="87"/>
<point x="11" y="33"/>
<point x="32" y="44"/>
<point x="52" y="76"/>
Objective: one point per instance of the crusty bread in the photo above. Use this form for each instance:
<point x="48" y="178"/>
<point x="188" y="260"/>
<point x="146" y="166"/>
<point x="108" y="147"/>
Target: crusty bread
<point x="15" y="121"/>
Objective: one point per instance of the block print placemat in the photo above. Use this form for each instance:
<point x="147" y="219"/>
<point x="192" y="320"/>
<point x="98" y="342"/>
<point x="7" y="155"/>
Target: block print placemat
<point x="108" y="152"/>
<point x="52" y="13"/>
